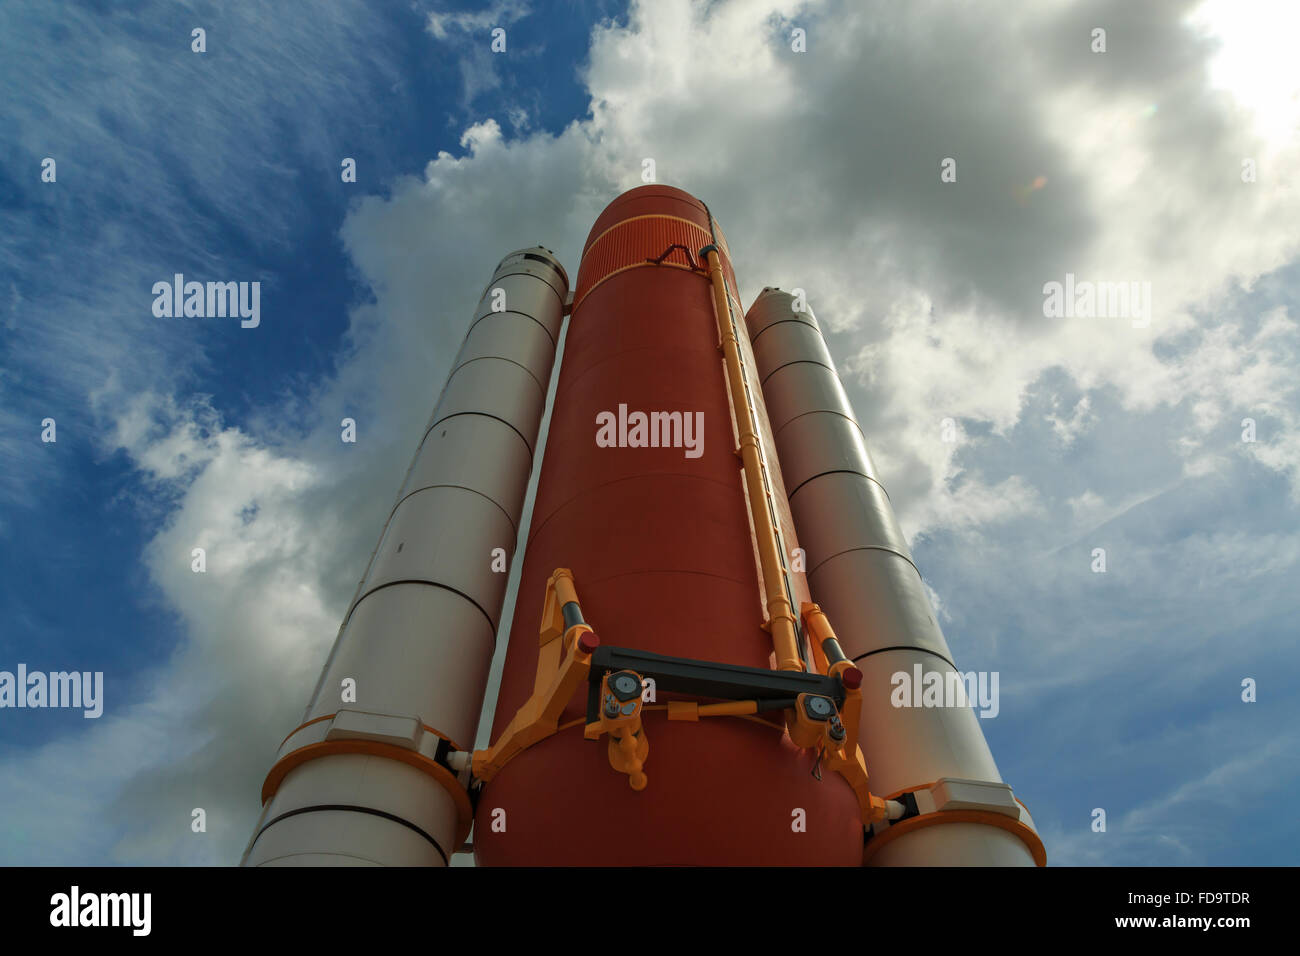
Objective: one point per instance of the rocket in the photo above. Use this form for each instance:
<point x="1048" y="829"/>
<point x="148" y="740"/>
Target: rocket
<point x="364" y="778"/>
<point x="714" y="601"/>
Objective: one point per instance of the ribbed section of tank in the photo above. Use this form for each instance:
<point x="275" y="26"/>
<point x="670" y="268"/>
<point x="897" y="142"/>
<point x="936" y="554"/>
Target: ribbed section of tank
<point x="363" y="780"/>
<point x="862" y="575"/>
<point x="653" y="522"/>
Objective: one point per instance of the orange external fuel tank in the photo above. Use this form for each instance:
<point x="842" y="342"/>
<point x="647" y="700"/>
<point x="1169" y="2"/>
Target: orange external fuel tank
<point x="652" y="517"/>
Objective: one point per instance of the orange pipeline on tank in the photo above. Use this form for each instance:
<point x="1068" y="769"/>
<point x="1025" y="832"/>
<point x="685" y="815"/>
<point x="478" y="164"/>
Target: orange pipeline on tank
<point x="663" y="554"/>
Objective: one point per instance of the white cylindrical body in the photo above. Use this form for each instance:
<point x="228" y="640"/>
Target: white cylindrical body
<point x="861" y="573"/>
<point x="361" y="781"/>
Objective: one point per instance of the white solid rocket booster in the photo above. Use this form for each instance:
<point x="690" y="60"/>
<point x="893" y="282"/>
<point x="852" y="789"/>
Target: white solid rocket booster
<point x="861" y="573"/>
<point x="365" y="779"/>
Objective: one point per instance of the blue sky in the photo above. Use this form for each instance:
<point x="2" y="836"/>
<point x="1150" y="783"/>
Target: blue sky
<point x="1119" y="690"/>
<point x="239" y="195"/>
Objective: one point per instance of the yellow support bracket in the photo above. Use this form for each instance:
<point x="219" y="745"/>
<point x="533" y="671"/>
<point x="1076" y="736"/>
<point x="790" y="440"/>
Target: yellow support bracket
<point x="620" y="717"/>
<point x="563" y="665"/>
<point x="844" y="756"/>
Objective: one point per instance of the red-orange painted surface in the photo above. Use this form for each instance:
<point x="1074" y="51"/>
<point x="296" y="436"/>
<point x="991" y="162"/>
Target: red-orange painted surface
<point x="663" y="559"/>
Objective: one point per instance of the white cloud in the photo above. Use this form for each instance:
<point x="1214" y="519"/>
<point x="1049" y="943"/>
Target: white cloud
<point x="1254" y="60"/>
<point x="444" y="25"/>
<point x="470" y="35"/>
<point x="1068" y="427"/>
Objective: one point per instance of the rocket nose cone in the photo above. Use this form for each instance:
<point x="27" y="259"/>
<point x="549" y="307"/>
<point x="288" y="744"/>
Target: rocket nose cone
<point x="654" y="199"/>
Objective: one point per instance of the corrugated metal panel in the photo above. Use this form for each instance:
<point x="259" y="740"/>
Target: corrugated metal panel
<point x="628" y="244"/>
